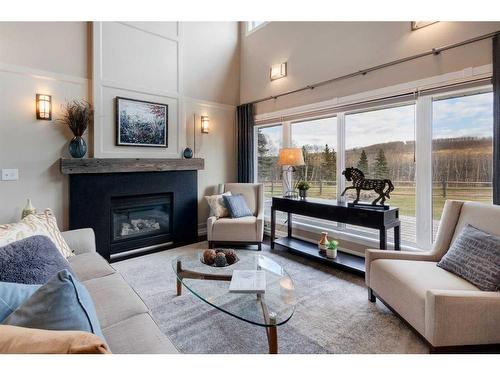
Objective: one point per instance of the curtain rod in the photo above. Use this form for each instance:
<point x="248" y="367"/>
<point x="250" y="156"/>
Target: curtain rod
<point x="434" y="51"/>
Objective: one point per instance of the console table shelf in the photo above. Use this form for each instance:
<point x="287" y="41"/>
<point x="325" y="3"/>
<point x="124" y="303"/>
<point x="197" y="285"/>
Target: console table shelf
<point x="344" y="261"/>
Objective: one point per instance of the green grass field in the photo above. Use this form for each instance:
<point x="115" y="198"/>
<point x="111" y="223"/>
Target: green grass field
<point x="402" y="197"/>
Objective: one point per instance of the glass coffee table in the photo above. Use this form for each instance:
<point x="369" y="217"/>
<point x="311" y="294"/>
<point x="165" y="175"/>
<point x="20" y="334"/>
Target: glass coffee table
<point x="211" y="284"/>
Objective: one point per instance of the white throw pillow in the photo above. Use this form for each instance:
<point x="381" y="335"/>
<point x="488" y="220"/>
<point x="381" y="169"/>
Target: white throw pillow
<point x="44" y="224"/>
<point x="217" y="206"/>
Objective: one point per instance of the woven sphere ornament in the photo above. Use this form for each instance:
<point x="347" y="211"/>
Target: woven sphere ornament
<point x="230" y="256"/>
<point x="209" y="257"/>
<point x="220" y="259"/>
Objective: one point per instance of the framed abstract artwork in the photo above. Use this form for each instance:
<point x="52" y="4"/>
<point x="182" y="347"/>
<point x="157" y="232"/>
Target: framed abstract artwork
<point x="141" y="123"/>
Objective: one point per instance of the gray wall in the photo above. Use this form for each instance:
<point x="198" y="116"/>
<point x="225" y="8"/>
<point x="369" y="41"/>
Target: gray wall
<point x="195" y="70"/>
<point x="318" y="51"/>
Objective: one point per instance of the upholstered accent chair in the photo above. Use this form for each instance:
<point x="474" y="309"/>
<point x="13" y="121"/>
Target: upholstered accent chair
<point x="446" y="310"/>
<point x="243" y="230"/>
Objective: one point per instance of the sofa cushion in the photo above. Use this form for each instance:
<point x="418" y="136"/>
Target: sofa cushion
<point x="62" y="304"/>
<point x="404" y="283"/>
<point x="138" y="334"/>
<point x="475" y="256"/>
<point x="89" y="266"/>
<point x="33" y="260"/>
<point x="241" y="229"/>
<point x="114" y="299"/>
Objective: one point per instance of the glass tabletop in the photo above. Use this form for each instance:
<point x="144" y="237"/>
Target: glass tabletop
<point x="211" y="284"/>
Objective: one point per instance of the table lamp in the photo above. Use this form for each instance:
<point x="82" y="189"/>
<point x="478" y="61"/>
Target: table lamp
<point x="291" y="158"/>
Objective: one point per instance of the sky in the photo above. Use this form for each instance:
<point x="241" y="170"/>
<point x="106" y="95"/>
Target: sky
<point x="456" y="117"/>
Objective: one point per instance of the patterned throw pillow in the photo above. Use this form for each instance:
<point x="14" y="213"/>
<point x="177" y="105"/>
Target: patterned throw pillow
<point x="217" y="205"/>
<point x="475" y="256"/>
<point x="43" y="224"/>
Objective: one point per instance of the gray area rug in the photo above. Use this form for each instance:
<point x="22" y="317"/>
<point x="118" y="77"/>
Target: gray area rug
<point x="333" y="314"/>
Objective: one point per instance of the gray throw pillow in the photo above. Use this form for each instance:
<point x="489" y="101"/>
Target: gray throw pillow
<point x="33" y="260"/>
<point x="237" y="206"/>
<point x="475" y="256"/>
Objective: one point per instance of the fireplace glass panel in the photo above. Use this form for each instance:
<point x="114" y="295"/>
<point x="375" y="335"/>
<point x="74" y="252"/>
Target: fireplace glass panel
<point x="135" y="217"/>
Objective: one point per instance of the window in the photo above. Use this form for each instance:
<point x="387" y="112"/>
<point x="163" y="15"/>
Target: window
<point x="269" y="142"/>
<point x="254" y="26"/>
<point x="318" y="140"/>
<point x="382" y="144"/>
<point x="462" y="151"/>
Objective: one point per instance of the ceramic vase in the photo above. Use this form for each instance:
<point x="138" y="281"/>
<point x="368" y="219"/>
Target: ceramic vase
<point x="331" y="253"/>
<point x="323" y="242"/>
<point x="302" y="194"/>
<point x="77" y="147"/>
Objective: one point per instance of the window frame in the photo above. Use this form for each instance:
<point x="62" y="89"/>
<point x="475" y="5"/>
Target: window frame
<point x="423" y="161"/>
<point x="250" y="29"/>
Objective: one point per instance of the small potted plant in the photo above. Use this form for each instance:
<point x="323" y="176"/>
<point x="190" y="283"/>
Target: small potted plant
<point x="303" y="186"/>
<point x="77" y="116"/>
<point x="331" y="249"/>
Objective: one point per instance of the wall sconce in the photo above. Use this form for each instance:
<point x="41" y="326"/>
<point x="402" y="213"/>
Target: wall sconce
<point x="205" y="123"/>
<point x="43" y="107"/>
<point x="415" y="25"/>
<point x="277" y="71"/>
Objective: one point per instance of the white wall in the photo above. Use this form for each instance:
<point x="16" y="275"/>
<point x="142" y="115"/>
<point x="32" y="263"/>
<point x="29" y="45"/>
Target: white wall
<point x="142" y="60"/>
<point x="318" y="51"/>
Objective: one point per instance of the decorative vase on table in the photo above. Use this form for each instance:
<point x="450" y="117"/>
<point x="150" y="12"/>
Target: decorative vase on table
<point x="323" y="242"/>
<point x="28" y="210"/>
<point x="77" y="147"/>
<point x="302" y="193"/>
<point x="331" y="249"/>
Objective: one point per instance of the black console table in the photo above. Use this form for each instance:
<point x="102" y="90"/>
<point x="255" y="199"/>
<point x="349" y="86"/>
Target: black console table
<point x="382" y="220"/>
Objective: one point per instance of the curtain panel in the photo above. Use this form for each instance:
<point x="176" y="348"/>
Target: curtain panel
<point x="496" y="119"/>
<point x="245" y="124"/>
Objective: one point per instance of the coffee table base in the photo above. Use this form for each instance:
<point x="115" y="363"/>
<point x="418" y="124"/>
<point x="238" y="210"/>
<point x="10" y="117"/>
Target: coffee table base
<point x="269" y="317"/>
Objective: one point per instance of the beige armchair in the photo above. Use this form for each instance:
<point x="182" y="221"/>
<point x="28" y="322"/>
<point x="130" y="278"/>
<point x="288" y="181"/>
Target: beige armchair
<point x="446" y="310"/>
<point x="243" y="230"/>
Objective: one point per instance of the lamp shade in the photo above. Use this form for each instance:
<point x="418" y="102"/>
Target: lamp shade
<point x="291" y="156"/>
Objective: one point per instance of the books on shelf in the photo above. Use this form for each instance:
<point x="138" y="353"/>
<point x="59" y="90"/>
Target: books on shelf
<point x="244" y="281"/>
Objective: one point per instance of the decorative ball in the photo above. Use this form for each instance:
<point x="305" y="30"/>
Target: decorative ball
<point x="219" y="250"/>
<point x="188" y="153"/>
<point x="220" y="260"/>
<point x="230" y="256"/>
<point x="209" y="257"/>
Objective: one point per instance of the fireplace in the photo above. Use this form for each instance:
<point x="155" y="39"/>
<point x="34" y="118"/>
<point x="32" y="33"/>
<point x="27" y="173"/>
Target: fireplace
<point x="140" y="218"/>
<point x="134" y="212"/>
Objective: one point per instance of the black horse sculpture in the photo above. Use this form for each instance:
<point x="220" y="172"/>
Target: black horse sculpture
<point x="359" y="182"/>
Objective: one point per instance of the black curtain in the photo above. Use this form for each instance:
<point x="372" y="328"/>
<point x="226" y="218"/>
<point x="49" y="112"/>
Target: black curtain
<point x="496" y="119"/>
<point x="245" y="123"/>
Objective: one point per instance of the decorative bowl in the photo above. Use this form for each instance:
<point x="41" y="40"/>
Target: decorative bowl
<point x="224" y="251"/>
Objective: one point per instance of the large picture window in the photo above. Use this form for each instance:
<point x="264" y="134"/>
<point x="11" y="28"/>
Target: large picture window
<point x="452" y="132"/>
<point x="318" y="140"/>
<point x="382" y="144"/>
<point x="462" y="151"/>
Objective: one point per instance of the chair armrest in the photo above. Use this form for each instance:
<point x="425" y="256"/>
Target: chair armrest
<point x="372" y="254"/>
<point x="462" y="317"/>
<point x="210" y="223"/>
<point x="80" y="241"/>
<point x="260" y="226"/>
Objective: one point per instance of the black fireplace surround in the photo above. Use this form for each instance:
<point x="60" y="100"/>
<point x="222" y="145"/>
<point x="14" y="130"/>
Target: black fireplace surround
<point x="136" y="210"/>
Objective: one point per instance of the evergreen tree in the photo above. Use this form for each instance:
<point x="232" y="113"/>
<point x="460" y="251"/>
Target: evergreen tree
<point x="264" y="160"/>
<point x="363" y="162"/>
<point x="381" y="170"/>
<point x="329" y="163"/>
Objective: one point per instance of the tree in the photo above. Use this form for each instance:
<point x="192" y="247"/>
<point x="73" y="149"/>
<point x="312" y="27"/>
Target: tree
<point x="264" y="160"/>
<point x="363" y="162"/>
<point x="329" y="163"/>
<point x="381" y="170"/>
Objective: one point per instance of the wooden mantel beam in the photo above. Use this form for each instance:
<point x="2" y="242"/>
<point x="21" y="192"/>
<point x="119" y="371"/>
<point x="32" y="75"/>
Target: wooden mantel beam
<point x="124" y="165"/>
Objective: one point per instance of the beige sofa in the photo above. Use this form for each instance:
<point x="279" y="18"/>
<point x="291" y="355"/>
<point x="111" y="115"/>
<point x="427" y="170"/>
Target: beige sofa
<point x="246" y="230"/>
<point x="126" y="322"/>
<point x="445" y="309"/>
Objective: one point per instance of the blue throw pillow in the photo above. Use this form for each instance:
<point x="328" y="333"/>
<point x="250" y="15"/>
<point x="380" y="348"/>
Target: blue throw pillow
<point x="33" y="260"/>
<point x="237" y="206"/>
<point x="12" y="296"/>
<point x="62" y="304"/>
